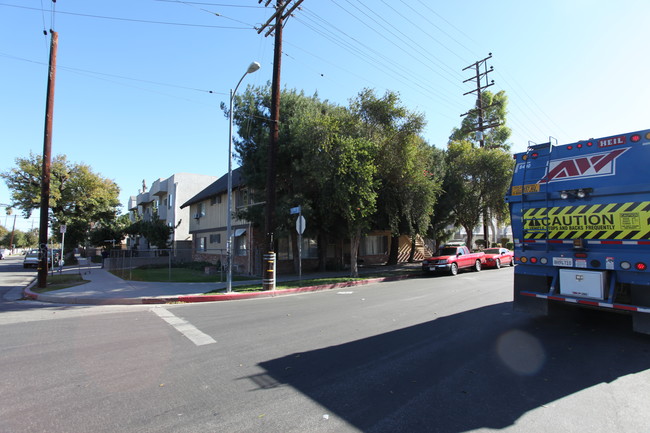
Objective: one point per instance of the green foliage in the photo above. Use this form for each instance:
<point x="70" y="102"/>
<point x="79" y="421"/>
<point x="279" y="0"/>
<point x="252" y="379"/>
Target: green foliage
<point x="111" y="233"/>
<point x="154" y="230"/>
<point x="406" y="189"/>
<point x="78" y="196"/>
<point x="323" y="162"/>
<point x="495" y="111"/>
<point x="478" y="180"/>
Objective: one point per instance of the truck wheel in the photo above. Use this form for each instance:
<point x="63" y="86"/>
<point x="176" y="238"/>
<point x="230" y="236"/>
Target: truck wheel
<point x="477" y="265"/>
<point x="453" y="269"/>
<point x="498" y="264"/>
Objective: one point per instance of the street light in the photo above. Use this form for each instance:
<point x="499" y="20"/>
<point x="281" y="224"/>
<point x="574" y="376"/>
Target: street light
<point x="251" y="68"/>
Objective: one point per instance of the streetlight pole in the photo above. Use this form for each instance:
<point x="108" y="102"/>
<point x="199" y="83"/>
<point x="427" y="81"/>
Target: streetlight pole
<point x="229" y="256"/>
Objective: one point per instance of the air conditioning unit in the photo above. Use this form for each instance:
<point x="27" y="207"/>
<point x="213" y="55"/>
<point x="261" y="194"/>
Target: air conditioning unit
<point x="197" y="216"/>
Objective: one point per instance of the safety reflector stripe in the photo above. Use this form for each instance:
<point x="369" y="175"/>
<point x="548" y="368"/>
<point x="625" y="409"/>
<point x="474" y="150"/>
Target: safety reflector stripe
<point x="587" y="302"/>
<point x="590" y="242"/>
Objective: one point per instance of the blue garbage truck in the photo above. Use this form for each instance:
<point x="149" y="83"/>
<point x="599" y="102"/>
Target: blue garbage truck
<point x="580" y="216"/>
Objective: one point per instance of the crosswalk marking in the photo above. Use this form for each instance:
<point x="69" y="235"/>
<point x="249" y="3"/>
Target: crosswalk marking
<point x="184" y="327"/>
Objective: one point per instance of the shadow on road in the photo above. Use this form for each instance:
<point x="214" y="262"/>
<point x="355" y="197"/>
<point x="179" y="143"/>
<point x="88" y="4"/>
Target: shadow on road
<point x="483" y="368"/>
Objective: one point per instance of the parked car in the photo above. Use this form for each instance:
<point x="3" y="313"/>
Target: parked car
<point x="497" y="257"/>
<point x="31" y="259"/>
<point x="451" y="258"/>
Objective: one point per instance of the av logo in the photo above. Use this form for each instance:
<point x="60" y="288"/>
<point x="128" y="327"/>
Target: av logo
<point x="594" y="165"/>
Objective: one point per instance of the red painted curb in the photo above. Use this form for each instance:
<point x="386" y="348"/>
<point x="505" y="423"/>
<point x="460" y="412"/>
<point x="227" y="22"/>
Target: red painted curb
<point x="201" y="298"/>
<point x="268" y="294"/>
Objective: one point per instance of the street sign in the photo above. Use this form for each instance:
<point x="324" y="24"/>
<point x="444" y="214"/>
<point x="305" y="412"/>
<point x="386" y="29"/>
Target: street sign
<point x="294" y="210"/>
<point x="63" y="228"/>
<point x="300" y="224"/>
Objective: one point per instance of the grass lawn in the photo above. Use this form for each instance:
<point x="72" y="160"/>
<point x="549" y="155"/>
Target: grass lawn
<point x="60" y="281"/>
<point x="178" y="275"/>
<point x="317" y="281"/>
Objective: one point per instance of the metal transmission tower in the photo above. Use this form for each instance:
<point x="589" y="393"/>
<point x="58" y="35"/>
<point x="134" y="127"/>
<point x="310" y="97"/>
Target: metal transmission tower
<point x="481" y="126"/>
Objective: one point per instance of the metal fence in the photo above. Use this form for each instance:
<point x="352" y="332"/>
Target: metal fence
<point x="122" y="262"/>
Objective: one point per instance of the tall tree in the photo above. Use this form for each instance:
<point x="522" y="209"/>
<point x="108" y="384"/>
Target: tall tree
<point x="319" y="143"/>
<point x="78" y="196"/>
<point x="406" y="194"/>
<point x="477" y="179"/>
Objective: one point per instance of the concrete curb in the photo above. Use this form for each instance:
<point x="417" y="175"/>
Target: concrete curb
<point x="196" y="298"/>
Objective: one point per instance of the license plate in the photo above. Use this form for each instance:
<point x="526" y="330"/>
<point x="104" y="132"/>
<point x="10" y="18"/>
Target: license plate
<point x="563" y="261"/>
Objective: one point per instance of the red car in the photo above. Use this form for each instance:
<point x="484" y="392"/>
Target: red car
<point x="497" y="257"/>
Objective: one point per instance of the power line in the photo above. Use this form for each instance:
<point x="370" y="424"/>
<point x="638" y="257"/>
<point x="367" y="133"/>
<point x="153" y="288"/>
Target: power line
<point x="78" y="70"/>
<point x="133" y="19"/>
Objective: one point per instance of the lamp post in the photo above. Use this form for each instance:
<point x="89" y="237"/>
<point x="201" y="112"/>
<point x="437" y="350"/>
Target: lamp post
<point x="229" y="256"/>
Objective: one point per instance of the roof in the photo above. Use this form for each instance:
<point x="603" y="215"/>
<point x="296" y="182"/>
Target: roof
<point x="218" y="187"/>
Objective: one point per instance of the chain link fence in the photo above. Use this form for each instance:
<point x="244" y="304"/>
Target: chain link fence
<point x="122" y="262"/>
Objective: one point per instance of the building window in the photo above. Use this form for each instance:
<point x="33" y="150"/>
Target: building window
<point x="170" y="202"/>
<point x="309" y="248"/>
<point x="215" y="200"/>
<point x="240" y="242"/>
<point x="373" y="245"/>
<point x="284" y="249"/>
<point x="215" y="239"/>
<point x="201" y="245"/>
<point x="241" y="198"/>
<point x="200" y="209"/>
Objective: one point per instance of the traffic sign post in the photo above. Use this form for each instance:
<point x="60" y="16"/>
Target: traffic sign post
<point x="62" y="230"/>
<point x="300" y="228"/>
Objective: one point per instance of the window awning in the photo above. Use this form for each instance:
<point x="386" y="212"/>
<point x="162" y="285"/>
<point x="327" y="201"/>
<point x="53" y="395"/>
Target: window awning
<point x="239" y="232"/>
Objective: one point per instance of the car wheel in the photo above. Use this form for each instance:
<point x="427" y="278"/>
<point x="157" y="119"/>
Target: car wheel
<point x="498" y="264"/>
<point x="453" y="269"/>
<point x="512" y="261"/>
<point x="477" y="265"/>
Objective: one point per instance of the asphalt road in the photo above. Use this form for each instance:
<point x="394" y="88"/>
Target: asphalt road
<point x="436" y="354"/>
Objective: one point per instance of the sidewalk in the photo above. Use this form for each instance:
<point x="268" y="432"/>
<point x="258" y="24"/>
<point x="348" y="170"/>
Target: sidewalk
<point x="105" y="288"/>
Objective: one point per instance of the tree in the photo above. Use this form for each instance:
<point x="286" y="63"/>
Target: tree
<point x="154" y="230"/>
<point x="494" y="112"/>
<point x="477" y="180"/>
<point x="317" y="140"/>
<point x="110" y="234"/>
<point x="407" y="192"/>
<point x="78" y="196"/>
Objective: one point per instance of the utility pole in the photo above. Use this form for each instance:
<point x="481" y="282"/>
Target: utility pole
<point x="479" y="100"/>
<point x="282" y="11"/>
<point x="47" y="161"/>
<point x="481" y="126"/>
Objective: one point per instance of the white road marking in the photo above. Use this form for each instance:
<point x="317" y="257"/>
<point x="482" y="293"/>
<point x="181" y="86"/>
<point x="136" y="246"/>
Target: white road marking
<point x="184" y="327"/>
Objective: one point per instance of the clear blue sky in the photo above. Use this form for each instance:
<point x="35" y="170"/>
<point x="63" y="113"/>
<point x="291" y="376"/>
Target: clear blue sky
<point x="133" y="79"/>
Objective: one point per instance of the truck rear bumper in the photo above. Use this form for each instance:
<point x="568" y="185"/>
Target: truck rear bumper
<point x="587" y="302"/>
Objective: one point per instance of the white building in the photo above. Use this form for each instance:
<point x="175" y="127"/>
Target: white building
<point x="165" y="198"/>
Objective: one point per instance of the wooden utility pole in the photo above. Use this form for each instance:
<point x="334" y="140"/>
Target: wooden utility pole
<point x="47" y="161"/>
<point x="282" y="11"/>
<point x="479" y="100"/>
<point x="481" y="126"/>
